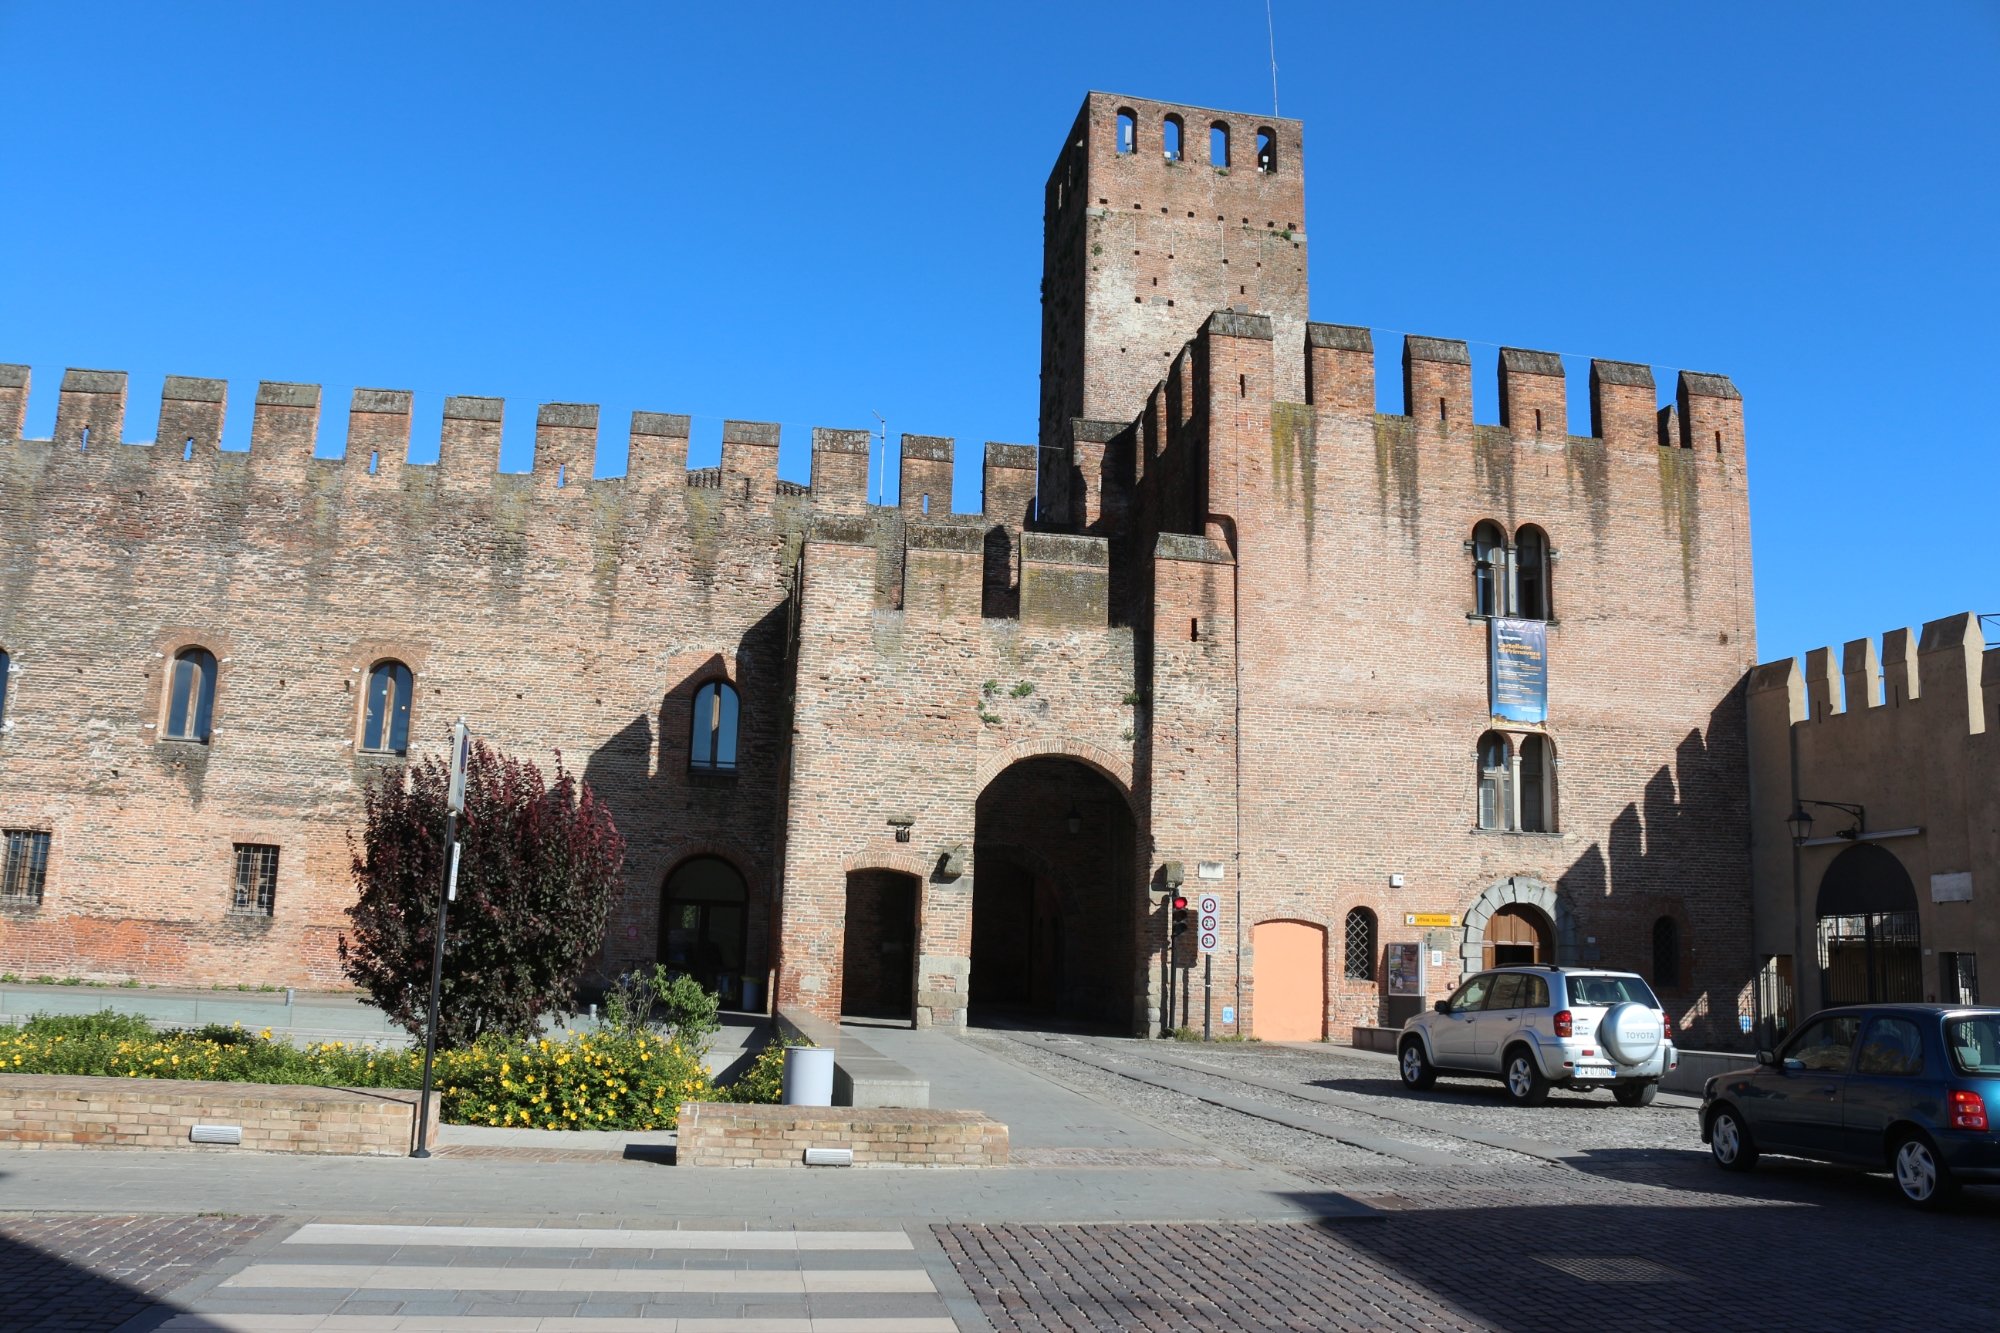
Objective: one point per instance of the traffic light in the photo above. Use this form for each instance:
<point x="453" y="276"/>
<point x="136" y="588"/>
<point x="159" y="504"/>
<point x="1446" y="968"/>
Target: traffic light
<point x="1180" y="915"/>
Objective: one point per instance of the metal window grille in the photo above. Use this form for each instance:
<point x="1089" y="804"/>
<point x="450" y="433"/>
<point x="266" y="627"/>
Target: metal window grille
<point x="256" y="878"/>
<point x="1361" y="945"/>
<point x="1871" y="958"/>
<point x="27" y="866"/>
<point x="1959" y="978"/>
<point x="1666" y="953"/>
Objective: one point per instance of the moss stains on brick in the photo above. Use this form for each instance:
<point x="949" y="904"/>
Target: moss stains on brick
<point x="1396" y="469"/>
<point x="1295" y="461"/>
<point x="1680" y="511"/>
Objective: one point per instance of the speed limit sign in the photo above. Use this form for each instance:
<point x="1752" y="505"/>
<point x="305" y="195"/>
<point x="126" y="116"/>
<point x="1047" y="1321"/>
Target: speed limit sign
<point x="1208" y="923"/>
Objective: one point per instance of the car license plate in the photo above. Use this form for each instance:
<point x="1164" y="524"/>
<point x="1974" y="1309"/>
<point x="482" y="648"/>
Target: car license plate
<point x="1594" y="1071"/>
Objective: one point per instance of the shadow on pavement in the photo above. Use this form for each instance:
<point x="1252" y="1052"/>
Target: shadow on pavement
<point x="132" y="1261"/>
<point x="1470" y="1091"/>
<point x="1850" y="1262"/>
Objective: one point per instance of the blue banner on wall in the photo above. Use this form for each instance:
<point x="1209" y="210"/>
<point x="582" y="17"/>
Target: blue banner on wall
<point x="1520" y="670"/>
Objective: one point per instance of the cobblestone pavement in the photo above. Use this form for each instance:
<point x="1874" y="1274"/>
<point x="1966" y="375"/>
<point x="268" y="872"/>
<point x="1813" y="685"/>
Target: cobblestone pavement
<point x="1616" y="1218"/>
<point x="88" y="1272"/>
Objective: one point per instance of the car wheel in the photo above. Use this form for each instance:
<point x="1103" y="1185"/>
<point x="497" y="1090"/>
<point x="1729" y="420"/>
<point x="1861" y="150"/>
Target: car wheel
<point x="1636" y="1094"/>
<point x="1729" y="1140"/>
<point x="1922" y="1176"/>
<point x="1415" y="1066"/>
<point x="1526" y="1084"/>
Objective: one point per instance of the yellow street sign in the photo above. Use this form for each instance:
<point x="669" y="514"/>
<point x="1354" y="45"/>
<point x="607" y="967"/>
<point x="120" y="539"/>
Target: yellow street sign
<point x="1429" y="919"/>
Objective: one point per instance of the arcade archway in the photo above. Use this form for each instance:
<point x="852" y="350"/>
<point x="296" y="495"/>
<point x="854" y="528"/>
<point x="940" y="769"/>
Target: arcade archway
<point x="1055" y="900"/>
<point x="1869" y="944"/>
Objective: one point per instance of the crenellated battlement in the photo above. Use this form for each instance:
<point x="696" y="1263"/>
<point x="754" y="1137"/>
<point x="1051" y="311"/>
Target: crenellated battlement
<point x="1946" y="671"/>
<point x="285" y="436"/>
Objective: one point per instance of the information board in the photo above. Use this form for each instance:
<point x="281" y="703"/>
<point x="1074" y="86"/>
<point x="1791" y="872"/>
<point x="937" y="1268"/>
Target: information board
<point x="1406" y="969"/>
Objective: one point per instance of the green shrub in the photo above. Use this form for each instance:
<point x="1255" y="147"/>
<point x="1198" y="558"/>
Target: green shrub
<point x="686" y="1008"/>
<point x="576" y="1081"/>
<point x="764" y="1080"/>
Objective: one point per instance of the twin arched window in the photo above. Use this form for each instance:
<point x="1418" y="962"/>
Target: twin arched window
<point x="712" y="738"/>
<point x="191" y="695"/>
<point x="1360" y="945"/>
<point x="1517" y="786"/>
<point x="385" y="719"/>
<point x="1511" y="579"/>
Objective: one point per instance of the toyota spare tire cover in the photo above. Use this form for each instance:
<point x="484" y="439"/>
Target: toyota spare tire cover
<point x="1630" y="1032"/>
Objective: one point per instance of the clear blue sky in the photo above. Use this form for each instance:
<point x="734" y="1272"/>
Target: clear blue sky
<point x="808" y="213"/>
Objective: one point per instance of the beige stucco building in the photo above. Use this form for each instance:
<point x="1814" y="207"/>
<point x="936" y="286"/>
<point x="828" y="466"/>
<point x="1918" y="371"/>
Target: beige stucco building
<point x="1893" y="891"/>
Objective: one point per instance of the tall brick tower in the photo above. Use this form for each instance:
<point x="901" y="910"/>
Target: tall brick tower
<point x="1156" y="216"/>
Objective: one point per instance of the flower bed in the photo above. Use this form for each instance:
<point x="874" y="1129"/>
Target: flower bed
<point x="575" y="1081"/>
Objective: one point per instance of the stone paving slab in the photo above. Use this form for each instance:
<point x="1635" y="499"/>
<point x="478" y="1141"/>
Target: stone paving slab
<point x="65" y="1272"/>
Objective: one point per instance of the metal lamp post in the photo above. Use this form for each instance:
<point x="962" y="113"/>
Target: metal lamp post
<point x="454" y="806"/>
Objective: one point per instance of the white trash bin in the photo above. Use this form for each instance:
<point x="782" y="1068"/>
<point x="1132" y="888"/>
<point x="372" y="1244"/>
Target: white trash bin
<point x="808" y="1076"/>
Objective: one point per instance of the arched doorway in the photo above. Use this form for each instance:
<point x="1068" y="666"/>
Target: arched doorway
<point x="1054" y="897"/>
<point x="702" y="925"/>
<point x="879" y="945"/>
<point x="1869" y="945"/>
<point x="1289" y="973"/>
<point x="1519" y="936"/>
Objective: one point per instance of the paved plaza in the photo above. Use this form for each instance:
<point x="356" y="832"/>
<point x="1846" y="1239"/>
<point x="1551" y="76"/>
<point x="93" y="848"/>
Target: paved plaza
<point x="1155" y="1186"/>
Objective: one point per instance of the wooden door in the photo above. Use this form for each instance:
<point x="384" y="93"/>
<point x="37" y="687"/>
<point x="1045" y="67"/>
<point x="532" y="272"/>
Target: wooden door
<point x="1290" y="977"/>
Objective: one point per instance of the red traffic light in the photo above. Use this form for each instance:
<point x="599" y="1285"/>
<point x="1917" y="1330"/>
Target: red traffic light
<point x="1180" y="904"/>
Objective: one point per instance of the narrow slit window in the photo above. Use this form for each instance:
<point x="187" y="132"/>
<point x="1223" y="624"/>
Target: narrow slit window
<point x="6" y="670"/>
<point x="1667" y="954"/>
<point x="712" y="746"/>
<point x="191" y="695"/>
<point x="256" y="889"/>
<point x="1170" y="139"/>
<point x="1218" y="145"/>
<point x="1267" y="150"/>
<point x="26" y="868"/>
<point x="385" y="727"/>
<point x="1128" y="131"/>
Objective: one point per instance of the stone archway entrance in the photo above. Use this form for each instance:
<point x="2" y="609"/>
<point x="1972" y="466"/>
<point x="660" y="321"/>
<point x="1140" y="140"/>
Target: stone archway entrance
<point x="1519" y="936"/>
<point x="1870" y="949"/>
<point x="1054" y="899"/>
<point x="1541" y="920"/>
<point x="703" y="925"/>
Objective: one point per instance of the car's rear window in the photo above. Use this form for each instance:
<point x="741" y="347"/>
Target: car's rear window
<point x="1604" y="992"/>
<point x="1974" y="1043"/>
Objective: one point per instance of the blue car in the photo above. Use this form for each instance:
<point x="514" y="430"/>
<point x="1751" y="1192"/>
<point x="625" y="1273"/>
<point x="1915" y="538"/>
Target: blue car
<point x="1912" y="1089"/>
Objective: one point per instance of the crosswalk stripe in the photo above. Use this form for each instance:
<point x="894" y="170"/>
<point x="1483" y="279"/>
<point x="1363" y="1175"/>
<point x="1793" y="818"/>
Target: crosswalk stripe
<point x="338" y="1323"/>
<point x="446" y="1277"/>
<point x="594" y="1238"/>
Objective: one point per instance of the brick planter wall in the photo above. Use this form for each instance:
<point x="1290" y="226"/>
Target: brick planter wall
<point x="63" y="1111"/>
<point x="725" y="1134"/>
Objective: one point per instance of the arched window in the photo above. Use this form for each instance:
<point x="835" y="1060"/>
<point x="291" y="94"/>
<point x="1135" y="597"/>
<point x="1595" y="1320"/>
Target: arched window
<point x="712" y="744"/>
<point x="6" y="668"/>
<point x="1538" y="785"/>
<point x="1531" y="576"/>
<point x="1170" y="139"/>
<point x="1489" y="557"/>
<point x="1361" y="945"/>
<point x="1128" y="131"/>
<point x="385" y="726"/>
<point x="1218" y="145"/>
<point x="1267" y="150"/>
<point x="1494" y="756"/>
<point x="1667" y="954"/>
<point x="191" y="695"/>
<point x="703" y="925"/>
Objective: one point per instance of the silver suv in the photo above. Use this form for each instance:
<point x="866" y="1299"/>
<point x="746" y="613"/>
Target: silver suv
<point x="1536" y="1027"/>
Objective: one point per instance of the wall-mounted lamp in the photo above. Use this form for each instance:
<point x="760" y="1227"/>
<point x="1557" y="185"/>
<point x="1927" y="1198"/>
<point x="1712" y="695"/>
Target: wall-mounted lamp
<point x="902" y="824"/>
<point x="1800" y="823"/>
<point x="1074" y="818"/>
